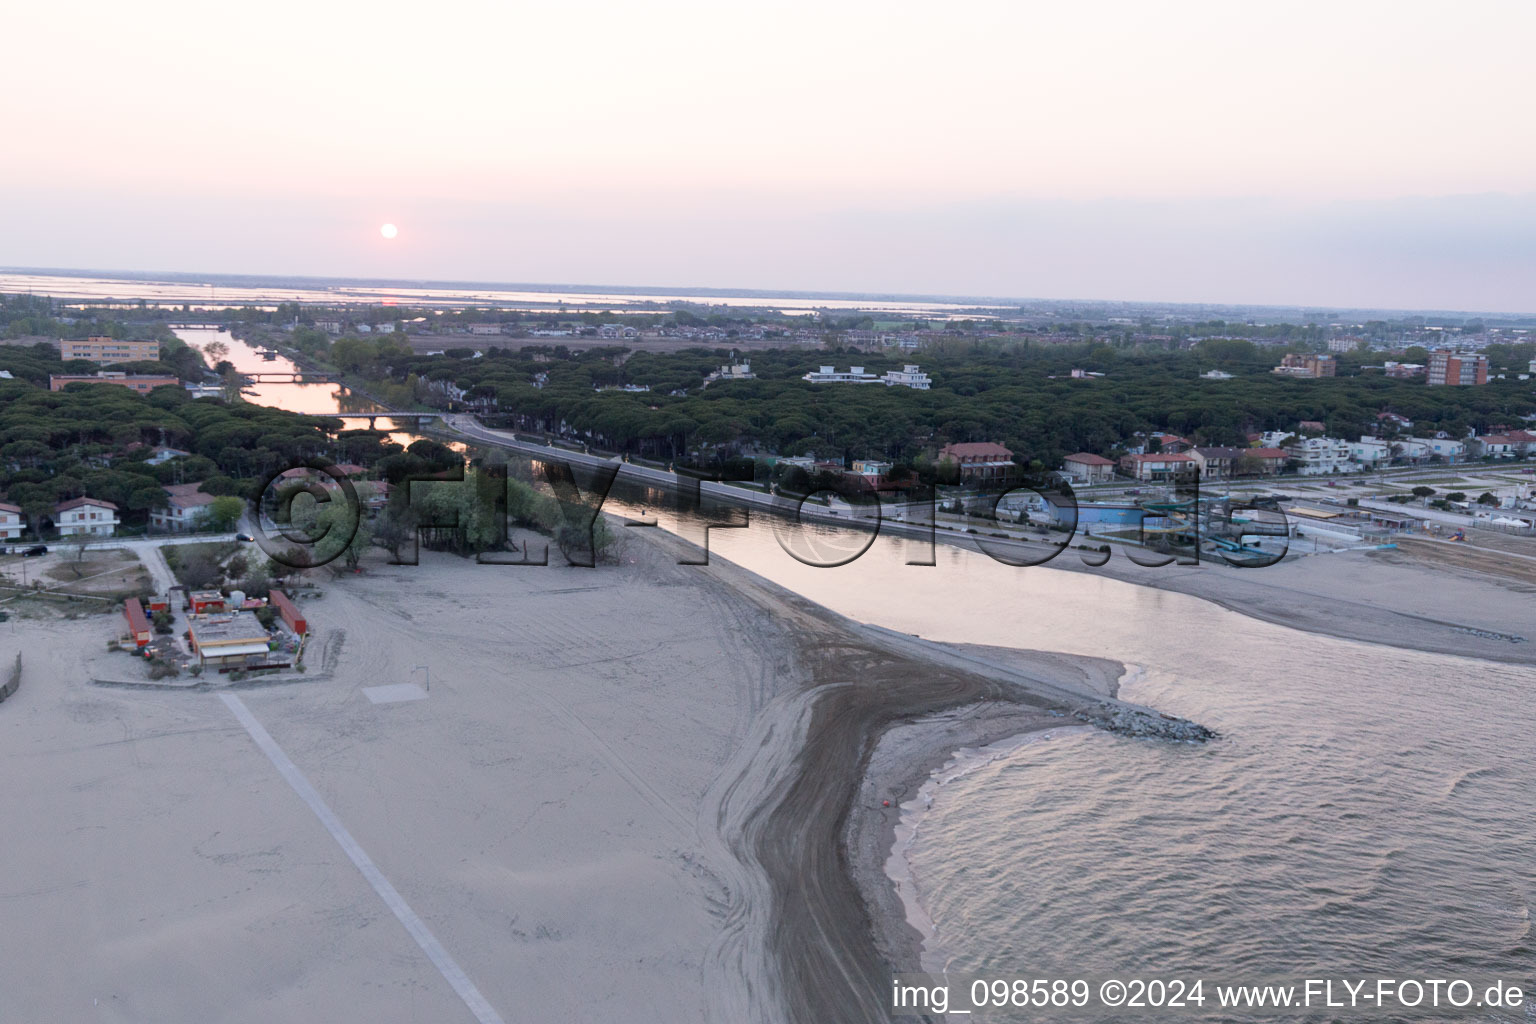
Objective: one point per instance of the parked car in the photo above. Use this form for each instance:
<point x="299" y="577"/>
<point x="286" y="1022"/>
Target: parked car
<point x="36" y="549"/>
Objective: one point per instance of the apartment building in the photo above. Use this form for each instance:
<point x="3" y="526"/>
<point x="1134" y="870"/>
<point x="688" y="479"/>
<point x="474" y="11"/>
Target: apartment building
<point x="104" y="350"/>
<point x="1295" y="365"/>
<point x="1456" y="368"/>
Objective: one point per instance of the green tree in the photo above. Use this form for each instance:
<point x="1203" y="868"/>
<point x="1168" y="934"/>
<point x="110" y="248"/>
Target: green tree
<point x="224" y="512"/>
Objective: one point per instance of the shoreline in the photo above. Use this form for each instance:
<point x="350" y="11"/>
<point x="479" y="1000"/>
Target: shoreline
<point x="929" y="954"/>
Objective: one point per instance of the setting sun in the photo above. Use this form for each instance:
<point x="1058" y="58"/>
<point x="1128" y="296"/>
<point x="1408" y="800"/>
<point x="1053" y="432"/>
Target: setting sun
<point x="388" y="230"/>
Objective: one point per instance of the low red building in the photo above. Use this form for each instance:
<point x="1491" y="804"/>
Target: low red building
<point x="138" y="622"/>
<point x="203" y="602"/>
<point x="289" y="613"/>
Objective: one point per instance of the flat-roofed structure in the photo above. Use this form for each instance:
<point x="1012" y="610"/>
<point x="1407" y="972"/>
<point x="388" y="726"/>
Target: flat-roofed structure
<point x="202" y="602"/>
<point x="138" y="622"/>
<point x="143" y="383"/>
<point x="288" y="612"/>
<point x="104" y="350"/>
<point x="227" y="641"/>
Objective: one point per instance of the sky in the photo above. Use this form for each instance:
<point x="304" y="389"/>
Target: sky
<point x="1356" y="154"/>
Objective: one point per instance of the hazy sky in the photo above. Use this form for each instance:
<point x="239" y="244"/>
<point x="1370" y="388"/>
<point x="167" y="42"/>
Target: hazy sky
<point x="1321" y="153"/>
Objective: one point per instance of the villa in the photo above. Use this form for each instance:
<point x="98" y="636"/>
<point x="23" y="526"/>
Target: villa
<point x="85" y="515"/>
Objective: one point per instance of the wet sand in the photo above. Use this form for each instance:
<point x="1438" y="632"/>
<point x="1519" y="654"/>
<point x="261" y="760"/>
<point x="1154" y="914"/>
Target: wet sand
<point x="624" y="796"/>
<point x="641" y="792"/>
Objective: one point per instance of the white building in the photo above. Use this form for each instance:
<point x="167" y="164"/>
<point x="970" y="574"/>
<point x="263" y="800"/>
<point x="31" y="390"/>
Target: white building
<point x="485" y="328"/>
<point x="1497" y="445"/>
<point x="1215" y="375"/>
<point x="731" y="371"/>
<point x="11" y="523"/>
<point x="907" y="377"/>
<point x="1444" y="447"/>
<point x="1088" y="468"/>
<point x="162" y="455"/>
<point x="186" y="508"/>
<point x="853" y="375"/>
<point x="85" y="515"/>
<point x="384" y="328"/>
<point x="1320" y="455"/>
<point x="1371" y="451"/>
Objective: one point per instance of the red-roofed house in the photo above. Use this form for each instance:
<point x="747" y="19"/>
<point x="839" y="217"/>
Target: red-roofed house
<point x="1159" y="467"/>
<point x="979" y="461"/>
<point x="85" y="515"/>
<point x="1088" y="468"/>
<point x="185" y="508"/>
<point x="1268" y="461"/>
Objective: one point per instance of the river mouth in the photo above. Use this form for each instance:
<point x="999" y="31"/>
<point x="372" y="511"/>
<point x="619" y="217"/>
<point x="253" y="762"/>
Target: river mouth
<point x="1366" y="811"/>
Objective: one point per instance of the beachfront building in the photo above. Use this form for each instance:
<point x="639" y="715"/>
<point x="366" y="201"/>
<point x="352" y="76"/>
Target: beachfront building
<point x="228" y="640"/>
<point x="828" y="375"/>
<point x="908" y="376"/>
<point x="11" y="521"/>
<point x="104" y="350"/>
<point x="1159" y="467"/>
<point x="1088" y="468"/>
<point x="143" y="383"/>
<point x="979" y="462"/>
<point x="138" y="622"/>
<point x="85" y="515"/>
<point x="288" y="613"/>
<point x="1456" y="368"/>
<point x="186" y="508"/>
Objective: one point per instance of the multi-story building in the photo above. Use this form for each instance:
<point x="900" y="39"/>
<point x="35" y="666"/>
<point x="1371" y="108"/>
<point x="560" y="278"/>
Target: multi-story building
<point x="853" y="375"/>
<point x="1161" y="467"/>
<point x="979" y="461"/>
<point x="143" y="383"/>
<point x="1372" y="451"/>
<point x="1457" y="368"/>
<point x="1446" y="448"/>
<point x="1217" y="463"/>
<point x="104" y="350"/>
<point x="85" y="515"/>
<point x="1500" y="446"/>
<point x="186" y="508"/>
<point x="1085" y="467"/>
<point x="1320" y="455"/>
<point x="1294" y="365"/>
<point x="907" y="377"/>
<point x="11" y="521"/>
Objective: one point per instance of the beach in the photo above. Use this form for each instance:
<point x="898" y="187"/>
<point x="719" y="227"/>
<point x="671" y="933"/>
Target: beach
<point x="650" y="791"/>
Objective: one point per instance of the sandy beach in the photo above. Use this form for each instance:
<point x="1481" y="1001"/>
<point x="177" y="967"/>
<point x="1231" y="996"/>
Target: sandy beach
<point x="642" y="792"/>
<point x="623" y="798"/>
